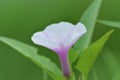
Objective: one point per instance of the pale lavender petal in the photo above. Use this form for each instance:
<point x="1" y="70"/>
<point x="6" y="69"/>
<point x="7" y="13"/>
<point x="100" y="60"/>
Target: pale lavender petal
<point x="74" y="35"/>
<point x="39" y="38"/>
<point x="58" y="31"/>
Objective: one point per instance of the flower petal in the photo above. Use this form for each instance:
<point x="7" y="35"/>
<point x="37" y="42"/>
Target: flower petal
<point x="74" y="35"/>
<point x="58" y="31"/>
<point x="40" y="38"/>
<point x="59" y="36"/>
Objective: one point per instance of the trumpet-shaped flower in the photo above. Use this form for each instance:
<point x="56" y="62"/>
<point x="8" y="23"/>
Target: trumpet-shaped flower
<point x="60" y="38"/>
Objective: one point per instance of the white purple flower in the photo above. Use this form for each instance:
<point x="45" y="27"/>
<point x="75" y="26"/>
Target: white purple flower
<point x="60" y="38"/>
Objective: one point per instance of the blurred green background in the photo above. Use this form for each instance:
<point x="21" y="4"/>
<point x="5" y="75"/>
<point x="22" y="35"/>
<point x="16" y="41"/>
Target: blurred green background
<point x="19" y="19"/>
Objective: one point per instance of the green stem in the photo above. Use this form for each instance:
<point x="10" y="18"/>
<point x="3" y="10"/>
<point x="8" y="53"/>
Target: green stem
<point x="83" y="77"/>
<point x="45" y="77"/>
<point x="1" y="77"/>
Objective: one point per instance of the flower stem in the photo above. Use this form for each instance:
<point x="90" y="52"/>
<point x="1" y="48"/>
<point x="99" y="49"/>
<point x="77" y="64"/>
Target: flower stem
<point x="65" y="65"/>
<point x="45" y="77"/>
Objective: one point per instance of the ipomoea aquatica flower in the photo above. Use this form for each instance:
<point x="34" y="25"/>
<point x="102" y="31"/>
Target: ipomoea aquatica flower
<point x="60" y="37"/>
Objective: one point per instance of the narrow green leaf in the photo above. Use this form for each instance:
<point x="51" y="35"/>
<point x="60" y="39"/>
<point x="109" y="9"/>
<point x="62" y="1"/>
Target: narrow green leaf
<point x="115" y="24"/>
<point x="72" y="77"/>
<point x="89" y="20"/>
<point x="117" y="76"/>
<point x="108" y="58"/>
<point x="1" y="77"/>
<point x="31" y="53"/>
<point x="106" y="65"/>
<point x="89" y="56"/>
<point x="94" y="73"/>
<point x="73" y="54"/>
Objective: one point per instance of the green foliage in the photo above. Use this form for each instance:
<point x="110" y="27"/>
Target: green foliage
<point x="110" y="61"/>
<point x="89" y="56"/>
<point x="115" y="24"/>
<point x="31" y="53"/>
<point x="73" y="54"/>
<point x="89" y="19"/>
<point x="72" y="77"/>
<point x="106" y="65"/>
<point x="117" y="76"/>
<point x="1" y="77"/>
<point x="35" y="15"/>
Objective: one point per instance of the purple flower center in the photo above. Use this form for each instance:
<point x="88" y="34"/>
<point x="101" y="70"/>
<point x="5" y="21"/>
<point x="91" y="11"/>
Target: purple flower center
<point x="63" y="56"/>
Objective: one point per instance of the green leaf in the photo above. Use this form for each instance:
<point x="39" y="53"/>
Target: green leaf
<point x="94" y="73"/>
<point x="117" y="76"/>
<point x="1" y="77"/>
<point x="89" y="20"/>
<point x="72" y="77"/>
<point x="89" y="56"/>
<point x="108" y="58"/>
<point x="115" y="24"/>
<point x="73" y="54"/>
<point x="31" y="53"/>
<point x="106" y="65"/>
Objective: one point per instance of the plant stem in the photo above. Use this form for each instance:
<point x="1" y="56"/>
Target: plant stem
<point x="1" y="78"/>
<point x="45" y="77"/>
<point x="65" y="65"/>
